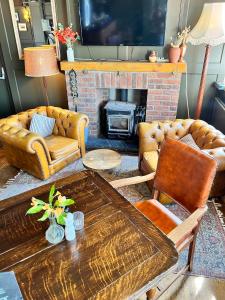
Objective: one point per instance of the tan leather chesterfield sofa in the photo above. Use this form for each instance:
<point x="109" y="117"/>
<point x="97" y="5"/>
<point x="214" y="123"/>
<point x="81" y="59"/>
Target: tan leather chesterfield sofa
<point x="40" y="156"/>
<point x="205" y="136"/>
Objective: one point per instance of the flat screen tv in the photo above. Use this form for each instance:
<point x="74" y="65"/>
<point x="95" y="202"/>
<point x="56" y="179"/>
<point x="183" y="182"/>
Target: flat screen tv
<point x="123" y="22"/>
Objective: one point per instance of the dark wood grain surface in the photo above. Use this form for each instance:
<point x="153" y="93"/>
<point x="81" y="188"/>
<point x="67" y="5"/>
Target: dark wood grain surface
<point x="118" y="255"/>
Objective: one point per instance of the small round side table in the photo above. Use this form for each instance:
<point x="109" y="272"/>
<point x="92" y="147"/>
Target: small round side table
<point x="102" y="159"/>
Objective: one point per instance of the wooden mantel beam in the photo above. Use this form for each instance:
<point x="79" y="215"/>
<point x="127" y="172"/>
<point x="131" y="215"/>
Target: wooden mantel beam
<point x="123" y="66"/>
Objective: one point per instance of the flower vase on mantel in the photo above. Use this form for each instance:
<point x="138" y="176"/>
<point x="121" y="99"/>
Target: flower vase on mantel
<point x="178" y="46"/>
<point x="174" y="54"/>
<point x="70" y="54"/>
<point x="183" y="49"/>
<point x="67" y="37"/>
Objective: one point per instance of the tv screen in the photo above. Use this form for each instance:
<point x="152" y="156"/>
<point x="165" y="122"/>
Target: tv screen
<point x="123" y="22"/>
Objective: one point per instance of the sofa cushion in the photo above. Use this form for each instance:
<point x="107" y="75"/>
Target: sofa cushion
<point x="42" y="125"/>
<point x="60" y="146"/>
<point x="188" y="140"/>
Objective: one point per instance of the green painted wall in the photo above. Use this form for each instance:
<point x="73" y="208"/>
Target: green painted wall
<point x="6" y="103"/>
<point x="194" y="58"/>
<point x="28" y="92"/>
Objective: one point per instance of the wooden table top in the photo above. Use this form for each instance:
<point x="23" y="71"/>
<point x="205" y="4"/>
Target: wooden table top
<point x="119" y="255"/>
<point x="102" y="159"/>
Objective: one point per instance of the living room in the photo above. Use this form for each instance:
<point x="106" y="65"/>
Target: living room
<point x="112" y="149"/>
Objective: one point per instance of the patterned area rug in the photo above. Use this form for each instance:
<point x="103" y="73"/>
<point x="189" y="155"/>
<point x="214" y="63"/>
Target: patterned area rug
<point x="6" y="171"/>
<point x="209" y="258"/>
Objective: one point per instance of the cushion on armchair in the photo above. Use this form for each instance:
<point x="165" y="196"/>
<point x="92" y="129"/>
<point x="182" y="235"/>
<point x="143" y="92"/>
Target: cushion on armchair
<point x="59" y="146"/>
<point x="42" y="125"/>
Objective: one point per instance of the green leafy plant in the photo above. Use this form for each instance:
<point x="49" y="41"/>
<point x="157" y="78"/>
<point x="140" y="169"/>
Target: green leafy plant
<point x="54" y="208"/>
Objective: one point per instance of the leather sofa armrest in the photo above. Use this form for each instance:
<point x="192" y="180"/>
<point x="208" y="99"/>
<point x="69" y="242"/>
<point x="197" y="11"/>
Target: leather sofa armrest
<point x="70" y="124"/>
<point x="219" y="155"/>
<point x="22" y="138"/>
<point x="78" y="123"/>
<point x="149" y="137"/>
<point x="78" y="120"/>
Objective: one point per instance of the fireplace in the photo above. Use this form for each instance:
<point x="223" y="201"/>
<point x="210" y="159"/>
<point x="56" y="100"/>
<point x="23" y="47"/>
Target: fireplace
<point x="161" y="83"/>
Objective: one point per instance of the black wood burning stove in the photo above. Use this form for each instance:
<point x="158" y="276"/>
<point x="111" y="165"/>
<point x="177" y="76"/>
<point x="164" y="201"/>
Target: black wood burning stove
<point x="120" y="118"/>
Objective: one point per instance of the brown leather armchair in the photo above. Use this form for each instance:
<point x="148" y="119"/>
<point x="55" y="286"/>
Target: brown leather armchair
<point x="186" y="175"/>
<point x="42" y="157"/>
<point x="208" y="139"/>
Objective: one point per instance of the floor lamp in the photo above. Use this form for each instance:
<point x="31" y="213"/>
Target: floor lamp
<point x="209" y="30"/>
<point x="41" y="62"/>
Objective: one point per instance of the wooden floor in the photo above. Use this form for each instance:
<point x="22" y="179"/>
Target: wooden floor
<point x="193" y="288"/>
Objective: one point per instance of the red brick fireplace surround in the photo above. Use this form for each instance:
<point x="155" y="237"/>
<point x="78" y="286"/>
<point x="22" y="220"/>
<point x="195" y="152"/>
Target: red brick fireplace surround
<point x="93" y="86"/>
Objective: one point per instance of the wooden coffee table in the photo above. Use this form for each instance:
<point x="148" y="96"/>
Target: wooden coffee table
<point x="102" y="159"/>
<point x="120" y="254"/>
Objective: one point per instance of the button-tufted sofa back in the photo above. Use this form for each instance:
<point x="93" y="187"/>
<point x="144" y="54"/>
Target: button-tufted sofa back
<point x="151" y="135"/>
<point x="65" y="122"/>
<point x="23" y="119"/>
<point x="206" y="136"/>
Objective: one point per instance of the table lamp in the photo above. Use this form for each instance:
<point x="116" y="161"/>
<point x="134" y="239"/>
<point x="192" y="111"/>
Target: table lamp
<point x="209" y="30"/>
<point x="41" y="62"/>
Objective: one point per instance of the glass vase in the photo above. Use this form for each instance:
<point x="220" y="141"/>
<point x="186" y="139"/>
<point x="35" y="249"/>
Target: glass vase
<point x="78" y="217"/>
<point x="70" y="234"/>
<point x="55" y="233"/>
<point x="70" y="54"/>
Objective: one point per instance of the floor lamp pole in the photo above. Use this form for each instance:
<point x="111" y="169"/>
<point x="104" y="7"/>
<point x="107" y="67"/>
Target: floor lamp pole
<point x="202" y="83"/>
<point x="46" y="90"/>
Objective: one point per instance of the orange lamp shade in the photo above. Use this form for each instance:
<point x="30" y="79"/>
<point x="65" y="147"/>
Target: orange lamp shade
<point x="49" y="46"/>
<point x="40" y="61"/>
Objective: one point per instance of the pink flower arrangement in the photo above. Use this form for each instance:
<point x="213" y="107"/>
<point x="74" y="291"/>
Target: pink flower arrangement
<point x="66" y="35"/>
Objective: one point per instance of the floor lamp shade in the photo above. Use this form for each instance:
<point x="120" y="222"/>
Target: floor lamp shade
<point x="40" y="62"/>
<point x="209" y="30"/>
